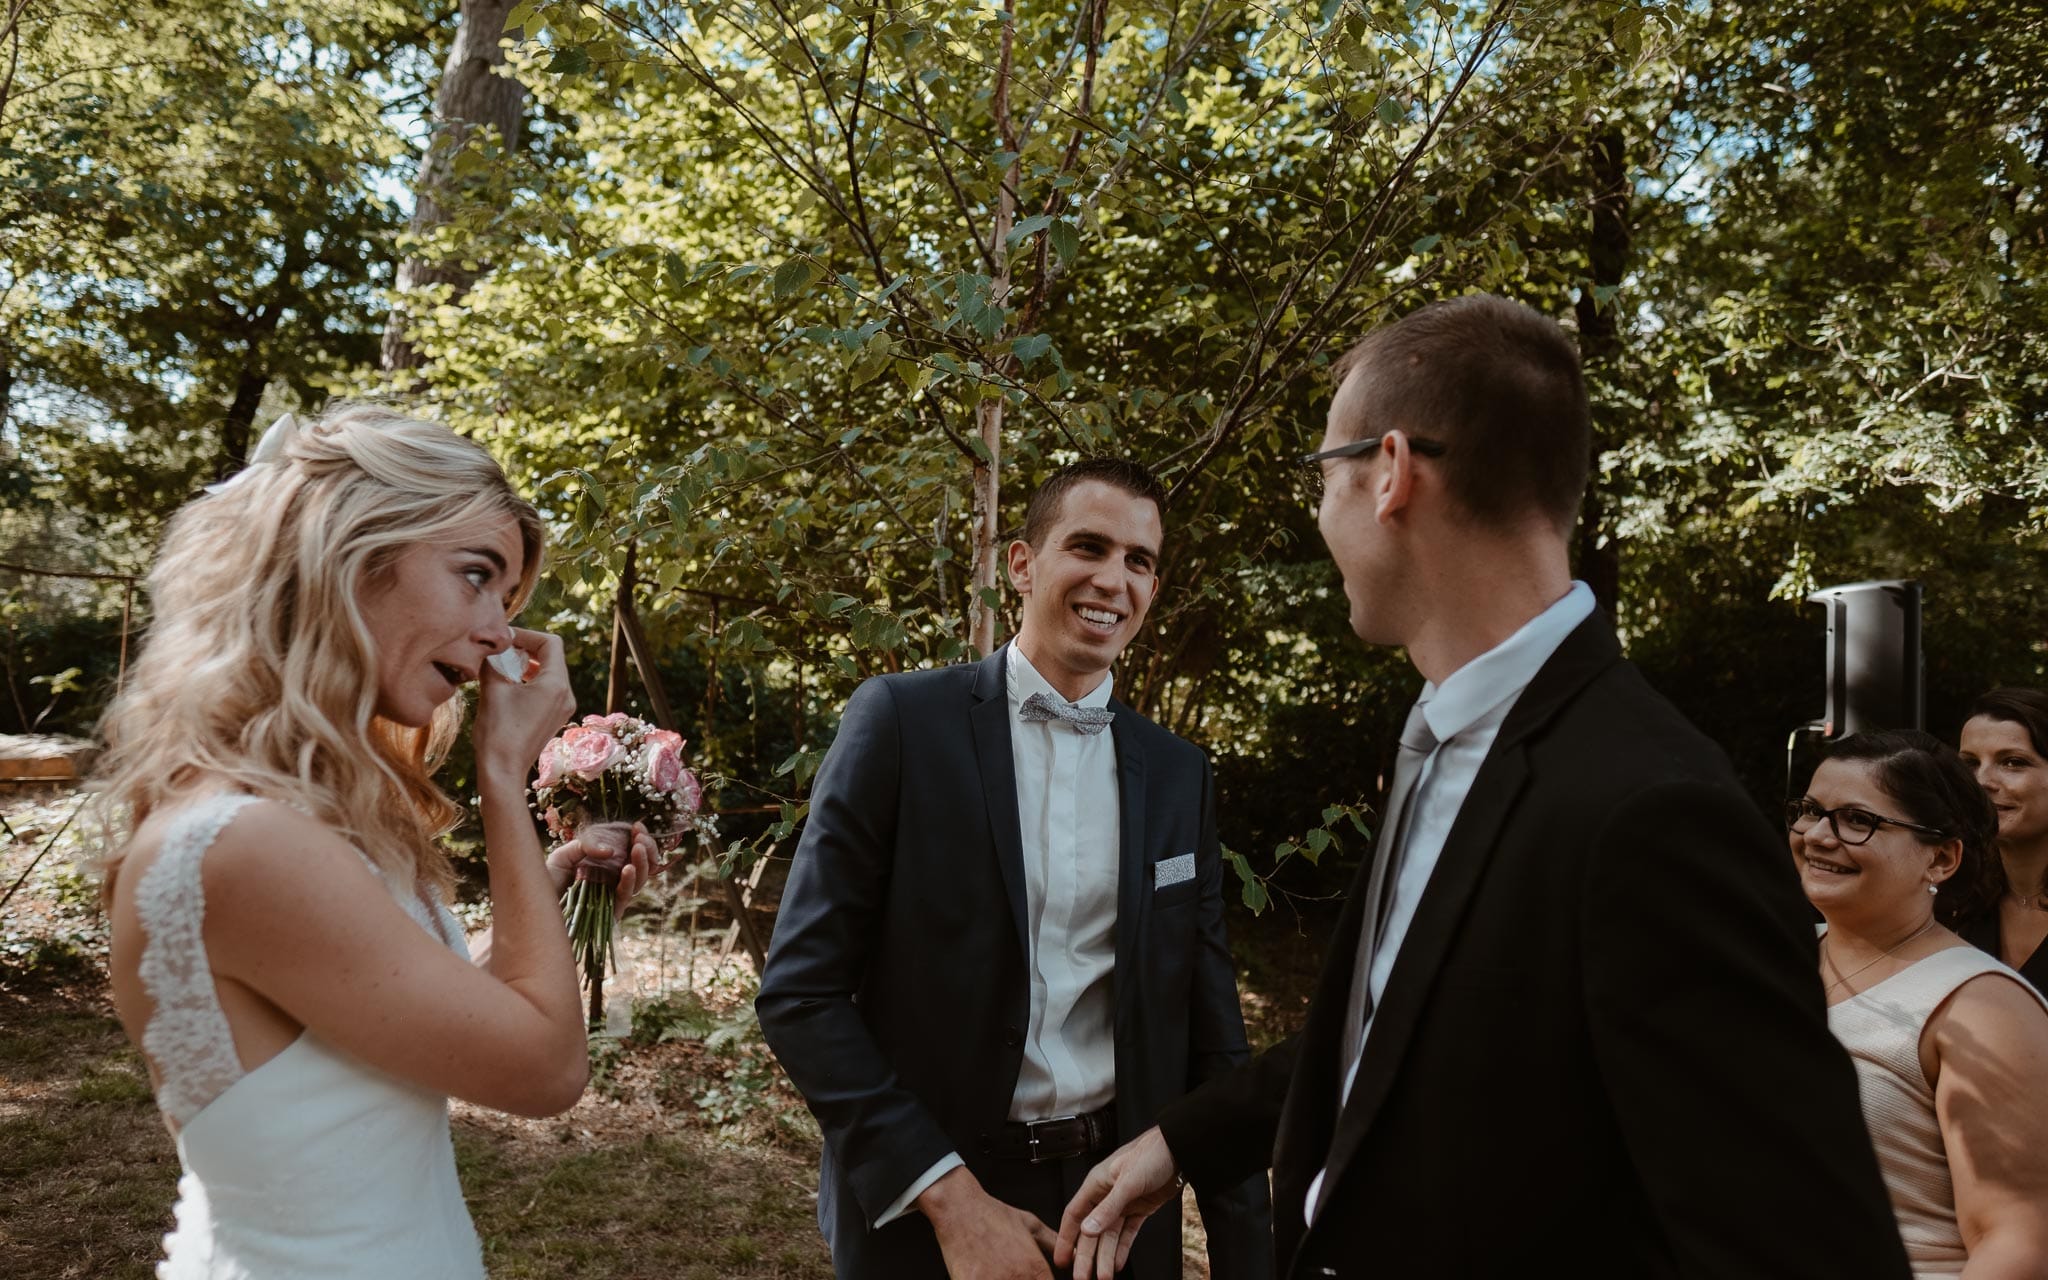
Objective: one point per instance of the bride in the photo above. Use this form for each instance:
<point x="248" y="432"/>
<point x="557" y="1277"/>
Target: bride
<point x="281" y="949"/>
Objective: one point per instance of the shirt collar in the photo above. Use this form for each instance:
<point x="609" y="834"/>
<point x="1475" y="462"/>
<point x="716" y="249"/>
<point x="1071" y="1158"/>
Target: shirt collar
<point x="1024" y="681"/>
<point x="1475" y="690"/>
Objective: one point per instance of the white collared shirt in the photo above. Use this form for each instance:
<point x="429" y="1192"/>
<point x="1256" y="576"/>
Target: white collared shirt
<point x="1068" y="817"/>
<point x="1465" y="714"/>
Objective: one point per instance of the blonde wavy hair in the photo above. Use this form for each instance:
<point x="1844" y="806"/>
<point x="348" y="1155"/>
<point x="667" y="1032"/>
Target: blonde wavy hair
<point x="258" y="673"/>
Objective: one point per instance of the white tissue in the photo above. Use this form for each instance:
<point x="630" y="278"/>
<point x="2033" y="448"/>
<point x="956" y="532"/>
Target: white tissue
<point x="510" y="664"/>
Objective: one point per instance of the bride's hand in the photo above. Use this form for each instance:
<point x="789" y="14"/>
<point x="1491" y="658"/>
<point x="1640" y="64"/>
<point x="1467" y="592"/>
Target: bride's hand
<point x="569" y="857"/>
<point x="515" y="720"/>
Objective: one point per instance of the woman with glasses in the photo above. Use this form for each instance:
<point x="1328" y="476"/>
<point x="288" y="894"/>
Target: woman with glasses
<point x="1950" y="1046"/>
<point x="2005" y="741"/>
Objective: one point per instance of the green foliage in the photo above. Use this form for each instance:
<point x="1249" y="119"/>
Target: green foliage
<point x="1255" y="887"/>
<point x="189" y="211"/>
<point x="758" y="277"/>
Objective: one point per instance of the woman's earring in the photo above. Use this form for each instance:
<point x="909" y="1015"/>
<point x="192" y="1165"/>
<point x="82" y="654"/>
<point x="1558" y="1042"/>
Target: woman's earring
<point x="1934" y="888"/>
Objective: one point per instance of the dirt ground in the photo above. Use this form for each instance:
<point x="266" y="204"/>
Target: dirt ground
<point x="690" y="1156"/>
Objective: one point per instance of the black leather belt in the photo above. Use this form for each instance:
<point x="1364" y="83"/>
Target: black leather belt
<point x="1058" y="1138"/>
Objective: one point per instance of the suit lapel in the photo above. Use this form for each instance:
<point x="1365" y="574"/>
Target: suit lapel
<point x="1133" y="884"/>
<point x="1470" y="846"/>
<point x="990" y="718"/>
<point x="1467" y="850"/>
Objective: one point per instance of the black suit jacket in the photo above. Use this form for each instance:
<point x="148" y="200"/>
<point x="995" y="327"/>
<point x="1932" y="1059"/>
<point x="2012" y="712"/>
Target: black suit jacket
<point x="1602" y="1047"/>
<point x="896" y="991"/>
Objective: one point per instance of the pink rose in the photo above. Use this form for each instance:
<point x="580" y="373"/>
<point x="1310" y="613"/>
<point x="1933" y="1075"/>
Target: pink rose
<point x="588" y="752"/>
<point x="664" y="767"/>
<point x="616" y="719"/>
<point x="666" y="737"/>
<point x="553" y="817"/>
<point x="689" y="792"/>
<point x="550" y="764"/>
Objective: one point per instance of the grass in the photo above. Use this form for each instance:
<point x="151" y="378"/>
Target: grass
<point x="690" y="1158"/>
<point x="622" y="1186"/>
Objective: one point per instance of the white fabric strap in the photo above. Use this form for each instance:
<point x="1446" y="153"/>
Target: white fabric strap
<point x="187" y="1036"/>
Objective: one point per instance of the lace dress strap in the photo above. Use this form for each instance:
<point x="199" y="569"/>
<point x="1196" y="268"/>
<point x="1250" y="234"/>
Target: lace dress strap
<point x="187" y="1036"/>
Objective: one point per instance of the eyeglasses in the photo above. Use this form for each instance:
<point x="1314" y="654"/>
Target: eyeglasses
<point x="1852" y="826"/>
<point x="1313" y="462"/>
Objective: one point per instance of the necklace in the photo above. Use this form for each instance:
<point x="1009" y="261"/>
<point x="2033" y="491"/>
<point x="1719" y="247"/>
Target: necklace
<point x="2030" y="903"/>
<point x="1828" y="956"/>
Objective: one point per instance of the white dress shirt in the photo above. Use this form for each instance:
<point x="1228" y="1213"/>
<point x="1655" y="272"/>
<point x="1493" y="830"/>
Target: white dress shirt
<point x="1069" y="819"/>
<point x="1465" y="713"/>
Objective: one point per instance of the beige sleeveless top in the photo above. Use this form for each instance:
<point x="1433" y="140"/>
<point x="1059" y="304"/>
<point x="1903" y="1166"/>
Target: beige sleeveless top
<point x="1881" y="1029"/>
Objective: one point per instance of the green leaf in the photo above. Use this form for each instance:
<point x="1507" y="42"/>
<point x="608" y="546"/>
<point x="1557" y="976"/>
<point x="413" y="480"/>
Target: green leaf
<point x="913" y="375"/>
<point x="1065" y="240"/>
<point x="572" y="61"/>
<point x="793" y="277"/>
<point x="1628" y="32"/>
<point x="1031" y="226"/>
<point x="1425" y="244"/>
<point x="1031" y="347"/>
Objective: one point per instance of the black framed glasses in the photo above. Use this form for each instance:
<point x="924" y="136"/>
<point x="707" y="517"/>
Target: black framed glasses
<point x="1313" y="462"/>
<point x="1851" y="825"/>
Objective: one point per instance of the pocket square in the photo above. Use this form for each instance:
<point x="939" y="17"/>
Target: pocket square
<point x="1168" y="871"/>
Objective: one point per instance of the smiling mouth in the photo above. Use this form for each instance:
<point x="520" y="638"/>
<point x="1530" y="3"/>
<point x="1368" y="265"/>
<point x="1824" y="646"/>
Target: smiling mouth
<point x="1097" y="617"/>
<point x="1831" y="868"/>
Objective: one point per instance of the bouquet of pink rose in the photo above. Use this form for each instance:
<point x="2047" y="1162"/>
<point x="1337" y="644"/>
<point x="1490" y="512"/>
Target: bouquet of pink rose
<point x="596" y="780"/>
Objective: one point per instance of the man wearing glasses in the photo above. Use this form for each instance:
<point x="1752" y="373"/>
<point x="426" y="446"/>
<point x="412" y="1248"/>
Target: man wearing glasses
<point x="1570" y="1018"/>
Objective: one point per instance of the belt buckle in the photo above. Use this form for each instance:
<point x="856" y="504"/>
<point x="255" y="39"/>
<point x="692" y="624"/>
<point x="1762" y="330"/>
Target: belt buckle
<point x="1031" y="1140"/>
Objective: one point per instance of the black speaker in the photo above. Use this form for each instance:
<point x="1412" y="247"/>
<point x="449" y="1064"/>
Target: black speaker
<point x="1875" y="672"/>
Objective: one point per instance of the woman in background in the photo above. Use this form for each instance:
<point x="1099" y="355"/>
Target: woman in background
<point x="2005" y="743"/>
<point x="1950" y="1046"/>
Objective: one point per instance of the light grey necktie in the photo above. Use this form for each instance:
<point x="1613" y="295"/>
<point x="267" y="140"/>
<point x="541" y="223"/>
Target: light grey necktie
<point x="1416" y="743"/>
<point x="1041" y="706"/>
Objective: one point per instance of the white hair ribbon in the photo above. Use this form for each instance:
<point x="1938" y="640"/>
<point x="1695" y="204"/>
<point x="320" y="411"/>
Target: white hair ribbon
<point x="267" y="451"/>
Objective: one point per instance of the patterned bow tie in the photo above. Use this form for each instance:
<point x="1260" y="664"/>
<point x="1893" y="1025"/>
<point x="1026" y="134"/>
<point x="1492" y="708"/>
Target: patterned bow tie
<point x="1039" y="707"/>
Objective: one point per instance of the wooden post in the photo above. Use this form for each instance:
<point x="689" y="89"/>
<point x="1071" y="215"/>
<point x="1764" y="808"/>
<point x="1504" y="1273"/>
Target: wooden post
<point x="615" y="673"/>
<point x="127" y="612"/>
<point x="657" y="699"/>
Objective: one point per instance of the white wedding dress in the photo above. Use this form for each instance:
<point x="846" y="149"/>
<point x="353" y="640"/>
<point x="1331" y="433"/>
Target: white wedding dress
<point x="312" y="1165"/>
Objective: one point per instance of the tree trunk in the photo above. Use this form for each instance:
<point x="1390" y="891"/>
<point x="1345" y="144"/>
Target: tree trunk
<point x="1600" y="345"/>
<point x="473" y="94"/>
<point x="988" y="414"/>
<point x="241" y="416"/>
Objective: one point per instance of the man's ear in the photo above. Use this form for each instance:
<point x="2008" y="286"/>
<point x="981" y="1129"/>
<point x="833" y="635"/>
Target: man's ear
<point x="1395" y="483"/>
<point x="1020" y="566"/>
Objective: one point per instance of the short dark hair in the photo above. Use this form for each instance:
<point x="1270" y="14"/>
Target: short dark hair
<point x="1134" y="478"/>
<point x="2027" y="708"/>
<point x="1499" y="385"/>
<point x="1927" y="780"/>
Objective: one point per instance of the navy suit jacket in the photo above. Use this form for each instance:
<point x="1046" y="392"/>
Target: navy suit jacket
<point x="1602" y="1048"/>
<point x="896" y="992"/>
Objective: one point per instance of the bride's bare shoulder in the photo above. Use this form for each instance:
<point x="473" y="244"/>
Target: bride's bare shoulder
<point x="260" y="835"/>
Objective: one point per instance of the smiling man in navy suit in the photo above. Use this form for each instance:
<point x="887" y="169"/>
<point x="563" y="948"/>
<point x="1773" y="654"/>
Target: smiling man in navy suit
<point x="1001" y="948"/>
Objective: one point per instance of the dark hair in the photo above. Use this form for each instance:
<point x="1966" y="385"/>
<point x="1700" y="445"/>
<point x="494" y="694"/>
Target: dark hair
<point x="2027" y="708"/>
<point x="1499" y="385"/>
<point x="1927" y="779"/>
<point x="1134" y="478"/>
